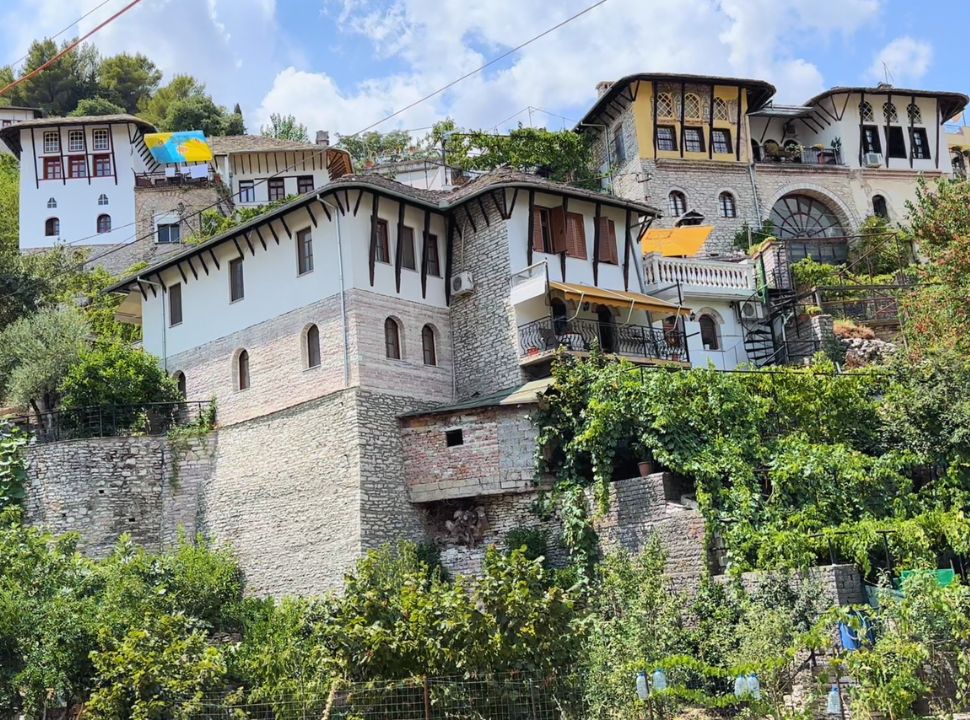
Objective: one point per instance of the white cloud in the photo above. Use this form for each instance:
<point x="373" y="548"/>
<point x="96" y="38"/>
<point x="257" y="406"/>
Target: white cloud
<point x="434" y="41"/>
<point x="906" y="59"/>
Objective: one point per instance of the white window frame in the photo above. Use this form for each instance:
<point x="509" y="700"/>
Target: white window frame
<point x="52" y="141"/>
<point x="97" y="135"/>
<point x="75" y="141"/>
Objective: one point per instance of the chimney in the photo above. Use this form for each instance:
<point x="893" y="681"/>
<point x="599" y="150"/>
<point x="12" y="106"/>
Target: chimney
<point x="323" y="138"/>
<point x="602" y="87"/>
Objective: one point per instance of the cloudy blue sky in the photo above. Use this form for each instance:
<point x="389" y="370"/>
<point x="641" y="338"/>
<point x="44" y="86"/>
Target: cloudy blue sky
<point x="344" y="64"/>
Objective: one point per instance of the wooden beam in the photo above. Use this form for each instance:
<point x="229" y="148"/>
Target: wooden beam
<point x="273" y="232"/>
<point x="844" y="105"/>
<point x="683" y="110"/>
<point x="653" y="89"/>
<point x="360" y="194"/>
<point x="710" y="126"/>
<point x="182" y="273"/>
<point x="737" y="145"/>
<point x="215" y="260"/>
<point x="326" y="209"/>
<point x="192" y="268"/>
<point x="597" y="239"/>
<point x="531" y="230"/>
<point x="285" y="226"/>
<point x="340" y="205"/>
<point x="449" y="252"/>
<point x="912" y="101"/>
<point x="205" y="267"/>
<point x="481" y="205"/>
<point x="235" y="241"/>
<point x="424" y="253"/>
<point x="249" y="243"/>
<point x="259" y="234"/>
<point x="515" y="195"/>
<point x="468" y="215"/>
<point x="889" y="101"/>
<point x="627" y="243"/>
<point x="399" y="247"/>
<point x="141" y="288"/>
<point x="862" y="135"/>
<point x="939" y="124"/>
<point x="372" y="253"/>
<point x="310" y="213"/>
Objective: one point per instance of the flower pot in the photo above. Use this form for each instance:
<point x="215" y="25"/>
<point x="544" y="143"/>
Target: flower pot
<point x="645" y="467"/>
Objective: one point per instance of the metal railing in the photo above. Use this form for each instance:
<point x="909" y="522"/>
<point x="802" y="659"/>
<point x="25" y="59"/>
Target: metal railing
<point x="801" y="155"/>
<point x="116" y="420"/>
<point x="582" y="335"/>
<point x="163" y="179"/>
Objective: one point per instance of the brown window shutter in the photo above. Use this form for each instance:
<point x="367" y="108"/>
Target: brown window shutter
<point x="612" y="246"/>
<point x="558" y="220"/>
<point x="537" y="230"/>
<point x="575" y="236"/>
<point x="607" y="252"/>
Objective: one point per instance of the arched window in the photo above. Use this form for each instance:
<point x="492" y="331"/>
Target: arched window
<point x="708" y="332"/>
<point x="392" y="339"/>
<point x="913" y="111"/>
<point x="179" y="378"/>
<point x="879" y="207"/>
<point x="242" y="370"/>
<point x="665" y="105"/>
<point x="102" y="199"/>
<point x="427" y="345"/>
<point x="728" y="206"/>
<point x="865" y="112"/>
<point x="692" y="106"/>
<point x="803" y="216"/>
<point x="889" y="112"/>
<point x="104" y="224"/>
<point x="51" y="203"/>
<point x="312" y="340"/>
<point x="721" y="111"/>
<point x="52" y="227"/>
<point x="677" y="202"/>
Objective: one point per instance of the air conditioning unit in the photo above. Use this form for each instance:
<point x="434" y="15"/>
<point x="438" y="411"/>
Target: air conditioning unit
<point x="872" y="160"/>
<point x="462" y="284"/>
<point x="750" y="310"/>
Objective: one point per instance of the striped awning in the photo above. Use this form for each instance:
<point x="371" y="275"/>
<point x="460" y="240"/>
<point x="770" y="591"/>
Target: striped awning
<point x="622" y="299"/>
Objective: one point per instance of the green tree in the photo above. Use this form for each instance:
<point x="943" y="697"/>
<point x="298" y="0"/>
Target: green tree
<point x="285" y="127"/>
<point x="96" y="106"/>
<point x="128" y="80"/>
<point x="37" y="352"/>
<point x="155" y="108"/>
<point x="195" y="113"/>
<point x="58" y="89"/>
<point x="115" y="374"/>
<point x="235" y="125"/>
<point x="370" y="148"/>
<point x="9" y="205"/>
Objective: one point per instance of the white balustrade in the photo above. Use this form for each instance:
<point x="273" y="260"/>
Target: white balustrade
<point x="711" y="275"/>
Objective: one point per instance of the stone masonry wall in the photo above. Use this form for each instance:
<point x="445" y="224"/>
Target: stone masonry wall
<point x="483" y="322"/>
<point x="104" y="487"/>
<point x="495" y="457"/>
<point x="285" y="494"/>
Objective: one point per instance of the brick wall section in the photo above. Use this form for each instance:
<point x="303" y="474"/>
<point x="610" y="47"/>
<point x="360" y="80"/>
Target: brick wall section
<point x="285" y="494"/>
<point x="483" y="322"/>
<point x="496" y="456"/>
<point x="104" y="487"/>
<point x="279" y="378"/>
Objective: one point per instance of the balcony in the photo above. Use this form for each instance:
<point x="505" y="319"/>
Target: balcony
<point x="191" y="175"/>
<point x="773" y="153"/>
<point x="697" y="277"/>
<point x="540" y="339"/>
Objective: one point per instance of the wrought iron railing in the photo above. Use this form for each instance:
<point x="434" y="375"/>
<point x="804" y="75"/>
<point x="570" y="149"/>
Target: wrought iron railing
<point x="801" y="155"/>
<point x="116" y="420"/>
<point x="581" y="335"/>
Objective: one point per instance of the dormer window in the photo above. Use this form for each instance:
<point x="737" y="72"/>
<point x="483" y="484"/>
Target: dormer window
<point x="52" y="141"/>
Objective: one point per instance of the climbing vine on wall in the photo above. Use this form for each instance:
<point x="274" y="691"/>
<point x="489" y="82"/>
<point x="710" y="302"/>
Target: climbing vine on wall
<point x="13" y="468"/>
<point x="788" y="465"/>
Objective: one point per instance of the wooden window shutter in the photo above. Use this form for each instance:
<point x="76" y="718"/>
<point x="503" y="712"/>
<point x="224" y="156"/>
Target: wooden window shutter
<point x="575" y="236"/>
<point x="557" y="219"/>
<point x="607" y="252"/>
<point x="537" y="230"/>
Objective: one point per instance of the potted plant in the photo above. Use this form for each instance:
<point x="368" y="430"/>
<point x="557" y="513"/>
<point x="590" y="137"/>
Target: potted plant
<point x="646" y="464"/>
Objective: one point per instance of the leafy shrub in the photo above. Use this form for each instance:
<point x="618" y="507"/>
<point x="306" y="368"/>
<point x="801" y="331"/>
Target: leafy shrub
<point x="117" y="375"/>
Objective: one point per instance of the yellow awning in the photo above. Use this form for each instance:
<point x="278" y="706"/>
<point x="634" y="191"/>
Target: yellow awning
<point x="615" y="298"/>
<point x="673" y="242"/>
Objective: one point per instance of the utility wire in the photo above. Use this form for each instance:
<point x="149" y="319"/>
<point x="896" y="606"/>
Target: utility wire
<point x="15" y="63"/>
<point x="37" y="71"/>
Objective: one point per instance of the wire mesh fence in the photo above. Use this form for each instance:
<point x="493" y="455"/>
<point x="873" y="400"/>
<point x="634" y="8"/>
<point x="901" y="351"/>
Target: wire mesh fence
<point x="510" y="696"/>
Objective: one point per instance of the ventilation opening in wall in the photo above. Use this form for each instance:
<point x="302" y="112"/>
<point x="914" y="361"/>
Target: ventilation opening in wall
<point x="454" y="437"/>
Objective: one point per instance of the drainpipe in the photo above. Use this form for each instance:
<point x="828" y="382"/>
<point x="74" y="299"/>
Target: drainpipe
<point x="343" y="299"/>
<point x="164" y="323"/>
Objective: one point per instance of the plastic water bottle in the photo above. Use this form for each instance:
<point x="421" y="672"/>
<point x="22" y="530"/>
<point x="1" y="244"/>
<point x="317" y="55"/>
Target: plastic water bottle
<point x="659" y="680"/>
<point x="833" y="705"/>
<point x="642" y="691"/>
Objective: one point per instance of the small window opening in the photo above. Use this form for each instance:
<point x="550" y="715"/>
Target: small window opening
<point x="454" y="438"/>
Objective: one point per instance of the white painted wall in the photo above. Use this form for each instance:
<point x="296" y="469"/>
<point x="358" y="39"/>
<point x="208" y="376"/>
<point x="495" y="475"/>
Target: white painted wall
<point x="272" y="284"/>
<point x="77" y="198"/>
<point x="11" y="115"/>
<point x="260" y="166"/>
<point x="731" y="352"/>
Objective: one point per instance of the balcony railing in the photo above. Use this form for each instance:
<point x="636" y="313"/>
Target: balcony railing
<point x="635" y="341"/>
<point x="707" y="276"/>
<point x="195" y="175"/>
<point x="800" y="155"/>
<point x="117" y="420"/>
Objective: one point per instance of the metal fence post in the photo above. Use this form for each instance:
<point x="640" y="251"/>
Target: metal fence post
<point x="427" y="698"/>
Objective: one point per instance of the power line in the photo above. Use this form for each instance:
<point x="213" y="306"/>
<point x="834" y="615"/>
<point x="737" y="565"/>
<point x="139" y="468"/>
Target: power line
<point x="363" y="130"/>
<point x="482" y="67"/>
<point x="15" y="63"/>
<point x="34" y="73"/>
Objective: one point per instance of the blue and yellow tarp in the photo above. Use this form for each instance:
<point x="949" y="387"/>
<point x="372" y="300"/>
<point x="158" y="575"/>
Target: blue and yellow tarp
<point x="179" y="147"/>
